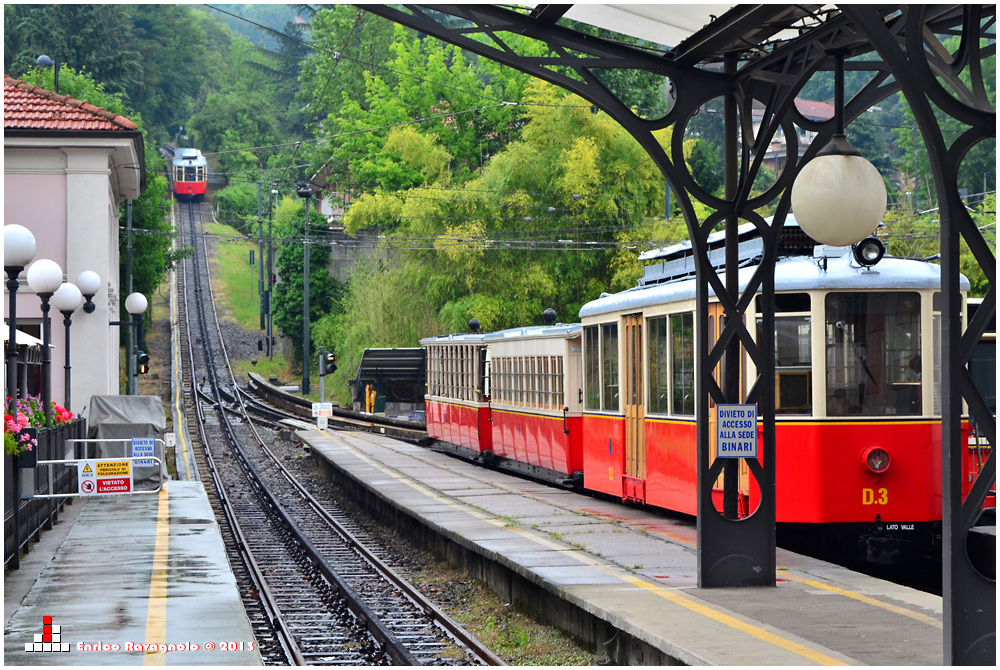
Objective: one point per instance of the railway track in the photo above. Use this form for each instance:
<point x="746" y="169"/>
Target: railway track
<point x="314" y="592"/>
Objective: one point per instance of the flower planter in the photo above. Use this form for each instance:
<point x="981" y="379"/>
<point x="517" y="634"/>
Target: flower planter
<point x="28" y="459"/>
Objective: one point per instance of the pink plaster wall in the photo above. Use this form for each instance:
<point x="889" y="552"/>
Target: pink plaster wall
<point x="38" y="202"/>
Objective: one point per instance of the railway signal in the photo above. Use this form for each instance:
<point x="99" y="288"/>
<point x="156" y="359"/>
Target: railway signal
<point x="142" y="362"/>
<point x="328" y="364"/>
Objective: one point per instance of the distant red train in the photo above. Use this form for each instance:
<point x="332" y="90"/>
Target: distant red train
<point x="609" y="404"/>
<point x="189" y="174"/>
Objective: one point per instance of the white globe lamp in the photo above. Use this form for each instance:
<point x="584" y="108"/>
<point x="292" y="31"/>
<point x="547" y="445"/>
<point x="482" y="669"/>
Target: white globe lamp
<point x="838" y="197"/>
<point x="89" y="283"/>
<point x="44" y="276"/>
<point x="67" y="298"/>
<point x="18" y="246"/>
<point x="136" y="304"/>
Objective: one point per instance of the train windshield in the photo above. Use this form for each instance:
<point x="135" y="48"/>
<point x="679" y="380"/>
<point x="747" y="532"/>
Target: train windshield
<point x="873" y="361"/>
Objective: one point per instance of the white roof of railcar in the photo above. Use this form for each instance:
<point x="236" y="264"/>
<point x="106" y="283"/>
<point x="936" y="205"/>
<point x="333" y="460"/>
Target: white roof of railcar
<point x="189" y="157"/>
<point x="563" y="330"/>
<point x="790" y="274"/>
<point x="460" y="338"/>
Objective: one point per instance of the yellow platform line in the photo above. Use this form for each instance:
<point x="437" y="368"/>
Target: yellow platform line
<point x="156" y="614"/>
<point x="686" y="601"/>
<point x="916" y="616"/>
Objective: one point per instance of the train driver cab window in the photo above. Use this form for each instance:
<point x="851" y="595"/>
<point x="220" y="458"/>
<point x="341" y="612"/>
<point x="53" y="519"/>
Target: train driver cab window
<point x="601" y="366"/>
<point x="792" y="353"/>
<point x="873" y="364"/>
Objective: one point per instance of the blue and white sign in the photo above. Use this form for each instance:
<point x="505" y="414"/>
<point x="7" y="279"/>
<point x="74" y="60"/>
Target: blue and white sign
<point x="736" y="427"/>
<point x="144" y="447"/>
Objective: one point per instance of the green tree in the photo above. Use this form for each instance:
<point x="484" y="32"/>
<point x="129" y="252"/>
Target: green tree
<point x="98" y="38"/>
<point x="706" y="166"/>
<point x="238" y="111"/>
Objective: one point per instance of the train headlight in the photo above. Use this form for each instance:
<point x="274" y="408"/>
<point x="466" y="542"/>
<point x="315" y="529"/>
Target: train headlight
<point x="869" y="251"/>
<point x="876" y="459"/>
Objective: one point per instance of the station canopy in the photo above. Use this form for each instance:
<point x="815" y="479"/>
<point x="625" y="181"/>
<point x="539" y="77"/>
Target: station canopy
<point x="696" y="33"/>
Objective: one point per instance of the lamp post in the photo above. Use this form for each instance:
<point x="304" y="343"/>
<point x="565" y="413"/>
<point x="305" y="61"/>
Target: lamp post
<point x="67" y="299"/>
<point x="838" y="197"/>
<point x="18" y="250"/>
<point x="304" y="192"/>
<point x="135" y="304"/>
<point x="44" y="277"/>
<point x="45" y="61"/>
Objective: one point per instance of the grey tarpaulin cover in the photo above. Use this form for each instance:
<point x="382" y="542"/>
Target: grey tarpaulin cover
<point x="122" y="417"/>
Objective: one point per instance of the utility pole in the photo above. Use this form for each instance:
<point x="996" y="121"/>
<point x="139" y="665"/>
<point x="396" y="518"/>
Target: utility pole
<point x="260" y="257"/>
<point x="270" y="268"/>
<point x="304" y="191"/>
<point x="130" y="340"/>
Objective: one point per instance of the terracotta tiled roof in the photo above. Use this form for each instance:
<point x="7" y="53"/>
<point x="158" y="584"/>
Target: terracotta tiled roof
<point x="814" y="110"/>
<point x="28" y="107"/>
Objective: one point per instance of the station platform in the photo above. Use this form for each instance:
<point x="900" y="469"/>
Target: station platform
<point x="626" y="578"/>
<point x="129" y="580"/>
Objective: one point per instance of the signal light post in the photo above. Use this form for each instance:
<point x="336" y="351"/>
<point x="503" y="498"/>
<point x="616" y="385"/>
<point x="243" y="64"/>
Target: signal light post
<point x="327" y="366"/>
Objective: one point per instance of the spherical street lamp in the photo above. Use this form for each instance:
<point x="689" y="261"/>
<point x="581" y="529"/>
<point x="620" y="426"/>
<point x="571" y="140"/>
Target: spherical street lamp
<point x="44" y="277"/>
<point x="18" y="250"/>
<point x="67" y="299"/>
<point x="89" y="283"/>
<point x="18" y="246"/>
<point x="135" y="304"/>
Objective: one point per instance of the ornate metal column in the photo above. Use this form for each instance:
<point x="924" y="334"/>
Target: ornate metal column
<point x="929" y="76"/>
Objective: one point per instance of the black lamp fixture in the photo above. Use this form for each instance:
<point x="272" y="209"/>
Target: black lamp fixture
<point x="45" y="61"/>
<point x="869" y="251"/>
<point x="89" y="283"/>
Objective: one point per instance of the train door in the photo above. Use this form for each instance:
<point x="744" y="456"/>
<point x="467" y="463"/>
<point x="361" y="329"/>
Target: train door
<point x="635" y="432"/>
<point x="716" y="322"/>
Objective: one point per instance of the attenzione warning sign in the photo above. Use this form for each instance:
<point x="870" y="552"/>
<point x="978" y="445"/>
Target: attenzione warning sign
<point x="112" y="468"/>
<point x="104" y="477"/>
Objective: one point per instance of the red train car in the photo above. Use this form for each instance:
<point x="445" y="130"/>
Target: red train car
<point x="856" y="385"/>
<point x="189" y="174"/>
<point x="457" y="402"/>
<point x="857" y="394"/>
<point x="535" y="410"/>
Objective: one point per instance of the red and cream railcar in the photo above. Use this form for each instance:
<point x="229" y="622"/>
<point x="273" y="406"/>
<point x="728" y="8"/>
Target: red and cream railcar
<point x="189" y="174"/>
<point x="857" y="387"/>
<point x="535" y="400"/>
<point x="457" y="402"/>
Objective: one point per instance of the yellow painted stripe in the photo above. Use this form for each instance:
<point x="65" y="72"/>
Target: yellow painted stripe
<point x="156" y="614"/>
<point x="916" y="616"/>
<point x="686" y="601"/>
